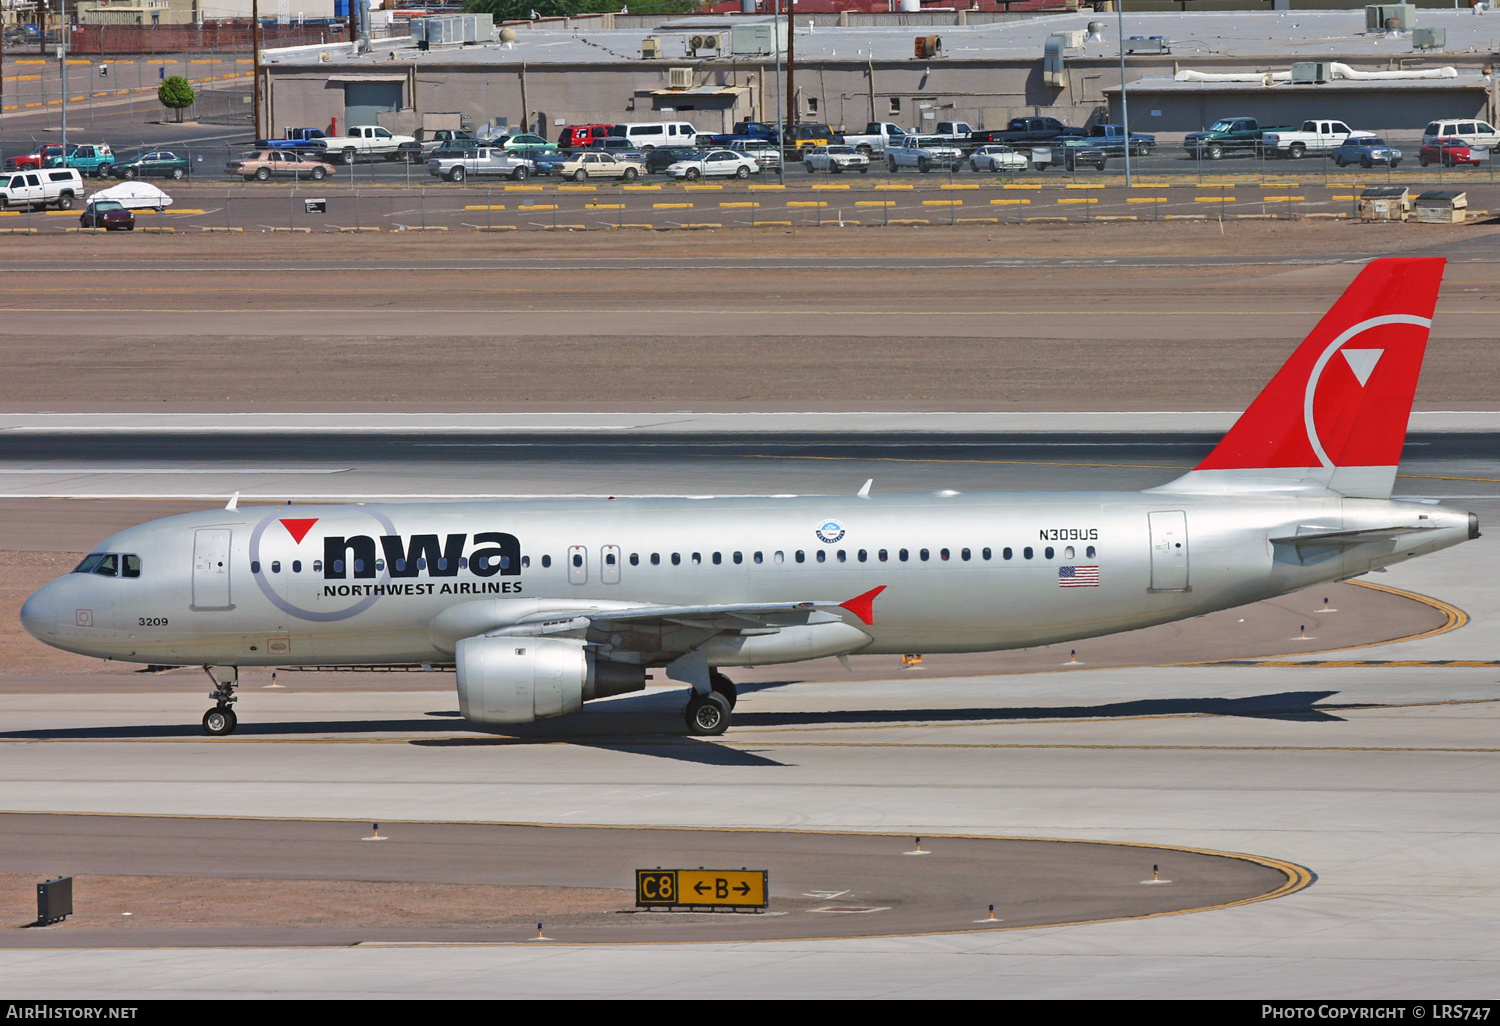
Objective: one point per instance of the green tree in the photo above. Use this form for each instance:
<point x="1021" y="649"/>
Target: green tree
<point x="175" y="93"/>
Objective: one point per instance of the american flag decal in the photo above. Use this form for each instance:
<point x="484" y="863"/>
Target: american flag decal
<point x="1078" y="577"/>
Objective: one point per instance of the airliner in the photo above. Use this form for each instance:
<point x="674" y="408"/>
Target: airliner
<point x="540" y="606"/>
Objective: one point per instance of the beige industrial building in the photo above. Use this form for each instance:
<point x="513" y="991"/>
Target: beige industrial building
<point x="1184" y="70"/>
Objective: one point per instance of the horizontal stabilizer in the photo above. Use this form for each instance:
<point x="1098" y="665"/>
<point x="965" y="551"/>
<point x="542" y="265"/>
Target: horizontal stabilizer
<point x="1340" y="539"/>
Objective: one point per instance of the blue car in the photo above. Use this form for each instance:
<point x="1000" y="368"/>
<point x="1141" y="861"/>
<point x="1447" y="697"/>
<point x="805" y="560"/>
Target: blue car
<point x="1366" y="151"/>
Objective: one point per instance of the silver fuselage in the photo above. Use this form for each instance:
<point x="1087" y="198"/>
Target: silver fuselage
<point x="276" y="600"/>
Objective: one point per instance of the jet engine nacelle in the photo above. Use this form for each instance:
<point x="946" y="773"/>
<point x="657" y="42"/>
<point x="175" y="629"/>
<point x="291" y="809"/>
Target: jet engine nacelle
<point x="519" y="679"/>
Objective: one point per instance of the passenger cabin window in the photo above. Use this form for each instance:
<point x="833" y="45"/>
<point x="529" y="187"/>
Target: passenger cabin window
<point x="1026" y="552"/>
<point x="1089" y="552"/>
<point x="1049" y="552"/>
<point x="546" y="561"/>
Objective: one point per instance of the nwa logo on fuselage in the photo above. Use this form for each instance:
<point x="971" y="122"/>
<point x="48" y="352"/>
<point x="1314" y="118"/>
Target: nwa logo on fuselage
<point x="495" y="553"/>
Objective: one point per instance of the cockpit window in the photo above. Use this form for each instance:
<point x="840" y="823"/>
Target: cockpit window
<point x="110" y="564"/>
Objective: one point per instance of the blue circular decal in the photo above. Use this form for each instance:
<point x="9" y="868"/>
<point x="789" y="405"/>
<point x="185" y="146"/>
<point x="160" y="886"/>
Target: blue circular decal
<point x="830" y="531"/>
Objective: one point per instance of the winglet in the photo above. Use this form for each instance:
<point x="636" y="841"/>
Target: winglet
<point x="864" y="493"/>
<point x="863" y="606"/>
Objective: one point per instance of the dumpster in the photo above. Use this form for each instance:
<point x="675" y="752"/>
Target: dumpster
<point x="1384" y="203"/>
<point x="1442" y="206"/>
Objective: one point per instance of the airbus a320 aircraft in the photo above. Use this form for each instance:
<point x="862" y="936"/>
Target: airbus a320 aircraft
<point x="542" y="606"/>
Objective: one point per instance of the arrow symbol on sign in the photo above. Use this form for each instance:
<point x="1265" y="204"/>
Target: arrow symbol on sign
<point x="743" y="888"/>
<point x="700" y="887"/>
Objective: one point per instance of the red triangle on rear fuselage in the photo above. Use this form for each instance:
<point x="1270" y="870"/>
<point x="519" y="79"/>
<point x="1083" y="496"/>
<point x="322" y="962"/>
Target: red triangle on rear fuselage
<point x="298" y="528"/>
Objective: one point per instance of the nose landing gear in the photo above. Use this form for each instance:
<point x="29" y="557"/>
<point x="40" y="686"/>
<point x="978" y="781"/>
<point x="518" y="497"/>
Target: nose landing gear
<point x="220" y="720"/>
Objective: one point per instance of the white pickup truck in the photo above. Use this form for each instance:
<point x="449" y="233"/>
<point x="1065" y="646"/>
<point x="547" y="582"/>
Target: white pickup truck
<point x="56" y="187"/>
<point x="457" y="165"/>
<point x="877" y="137"/>
<point x="924" y="152"/>
<point x="364" y="142"/>
<point x="1312" y="137"/>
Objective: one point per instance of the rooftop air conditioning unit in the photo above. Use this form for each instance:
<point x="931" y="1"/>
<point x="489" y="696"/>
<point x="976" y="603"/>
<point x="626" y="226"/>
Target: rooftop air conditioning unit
<point x="679" y="78"/>
<point x="928" y="46"/>
<point x="650" y="49"/>
<point x="1310" y="72"/>
<point x="707" y="42"/>
<point x="1073" y="38"/>
<point x="1376" y="16"/>
<point x="1429" y="38"/>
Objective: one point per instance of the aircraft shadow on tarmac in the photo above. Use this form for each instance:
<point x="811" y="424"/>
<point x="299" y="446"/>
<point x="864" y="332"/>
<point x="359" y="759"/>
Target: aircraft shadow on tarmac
<point x="652" y="724"/>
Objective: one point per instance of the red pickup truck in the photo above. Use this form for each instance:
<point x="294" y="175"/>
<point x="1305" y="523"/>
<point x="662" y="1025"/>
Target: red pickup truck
<point x="36" y="159"/>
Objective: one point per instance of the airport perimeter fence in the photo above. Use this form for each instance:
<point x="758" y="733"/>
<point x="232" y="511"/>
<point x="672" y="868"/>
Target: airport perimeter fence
<point x="336" y="207"/>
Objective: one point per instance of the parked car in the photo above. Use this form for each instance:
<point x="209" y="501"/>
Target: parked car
<point x="805" y="137"/>
<point x="649" y="135"/>
<point x="522" y="141"/>
<point x="998" y="157"/>
<point x="1475" y="133"/>
<point x="263" y="165"/>
<point x="765" y="153"/>
<point x="429" y="141"/>
<point x="715" y="164"/>
<point x="1228" y="135"/>
<point x="1313" y="137"/>
<point x="111" y="215"/>
<point x="590" y="164"/>
<point x="91" y="159"/>
<point x="578" y="136"/>
<point x="546" y="162"/>
<point x="1366" y="151"/>
<point x="622" y="148"/>
<point x="1447" y="153"/>
<point x="461" y="162"/>
<point x="155" y="164"/>
<point x="923" y="152"/>
<point x="47" y="187"/>
<point x="365" y="142"/>
<point x="835" y="159"/>
<point x="660" y="159"/>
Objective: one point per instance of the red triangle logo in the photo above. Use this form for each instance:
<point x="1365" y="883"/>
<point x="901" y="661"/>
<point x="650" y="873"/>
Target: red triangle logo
<point x="298" y="528"/>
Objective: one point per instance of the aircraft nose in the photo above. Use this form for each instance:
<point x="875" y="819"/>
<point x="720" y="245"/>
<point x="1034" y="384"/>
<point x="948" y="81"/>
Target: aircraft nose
<point x="39" y="613"/>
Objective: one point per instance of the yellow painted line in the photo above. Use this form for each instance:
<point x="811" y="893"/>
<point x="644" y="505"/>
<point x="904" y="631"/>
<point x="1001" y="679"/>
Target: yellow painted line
<point x="487" y="227"/>
<point x="10" y="213"/>
<point x="912" y="220"/>
<point x="807" y="203"/>
<point x="197" y="61"/>
<point x="1281" y="185"/>
<point x="1213" y="199"/>
<point x="896" y="186"/>
<point x="485" y="206"/>
<point x="1151" y="185"/>
<point x="1334" y="216"/>
<point x="19" y="231"/>
<point x="829" y="187"/>
<point x="1220" y="185"/>
<point x="874" y="203"/>
<point x="642" y="188"/>
<point x="1030" y="219"/>
<point x="750" y="204"/>
<point x="1025" y="200"/>
<point x="770" y="224"/>
<point x="32" y="62"/>
<point x="1342" y="196"/>
<point x="978" y="220"/>
<point x="1256" y="217"/>
<point x="702" y="224"/>
<point x="1187" y="217"/>
<point x="671" y="206"/>
<point x="960" y="185"/>
<point x="605" y="206"/>
<point x="1074" y="185"/>
<point x="766" y="188"/>
<point x="1078" y="199"/>
<point x="1117" y="217"/>
<point x="1019" y="186"/>
<point x="159" y="228"/>
<point x="578" y="188"/>
<point x="943" y="203"/>
<point x="171" y="210"/>
<point x="361" y="228"/>
<point x="522" y="188"/>
<point x="1147" y="199"/>
<point x="566" y="227"/>
<point x="633" y="226"/>
<point x="703" y="188"/>
<point x="537" y="206"/>
<point x="206" y="228"/>
<point x="24" y="78"/>
<point x="245" y="60"/>
<point x="1282" y="199"/>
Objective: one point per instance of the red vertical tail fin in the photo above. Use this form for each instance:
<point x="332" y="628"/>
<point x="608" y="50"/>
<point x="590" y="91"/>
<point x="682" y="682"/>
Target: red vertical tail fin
<point x="1334" y="417"/>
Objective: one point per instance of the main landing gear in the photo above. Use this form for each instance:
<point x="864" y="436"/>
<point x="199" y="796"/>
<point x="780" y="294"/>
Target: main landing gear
<point x="220" y="720"/>
<point x="708" y="714"/>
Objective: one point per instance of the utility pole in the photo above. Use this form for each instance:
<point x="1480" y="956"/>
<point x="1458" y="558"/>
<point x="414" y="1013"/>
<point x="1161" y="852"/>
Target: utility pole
<point x="62" y="69"/>
<point x="781" y="134"/>
<point x="255" y="53"/>
<point x="1124" y="103"/>
<point x="791" y="60"/>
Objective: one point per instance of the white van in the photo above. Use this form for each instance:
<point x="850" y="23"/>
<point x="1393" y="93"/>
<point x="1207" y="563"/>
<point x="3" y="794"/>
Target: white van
<point x="1475" y="133"/>
<point x="48" y="187"/>
<point x="648" y="135"/>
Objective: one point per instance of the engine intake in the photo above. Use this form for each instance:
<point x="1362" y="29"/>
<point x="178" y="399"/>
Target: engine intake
<point x="520" y="679"/>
